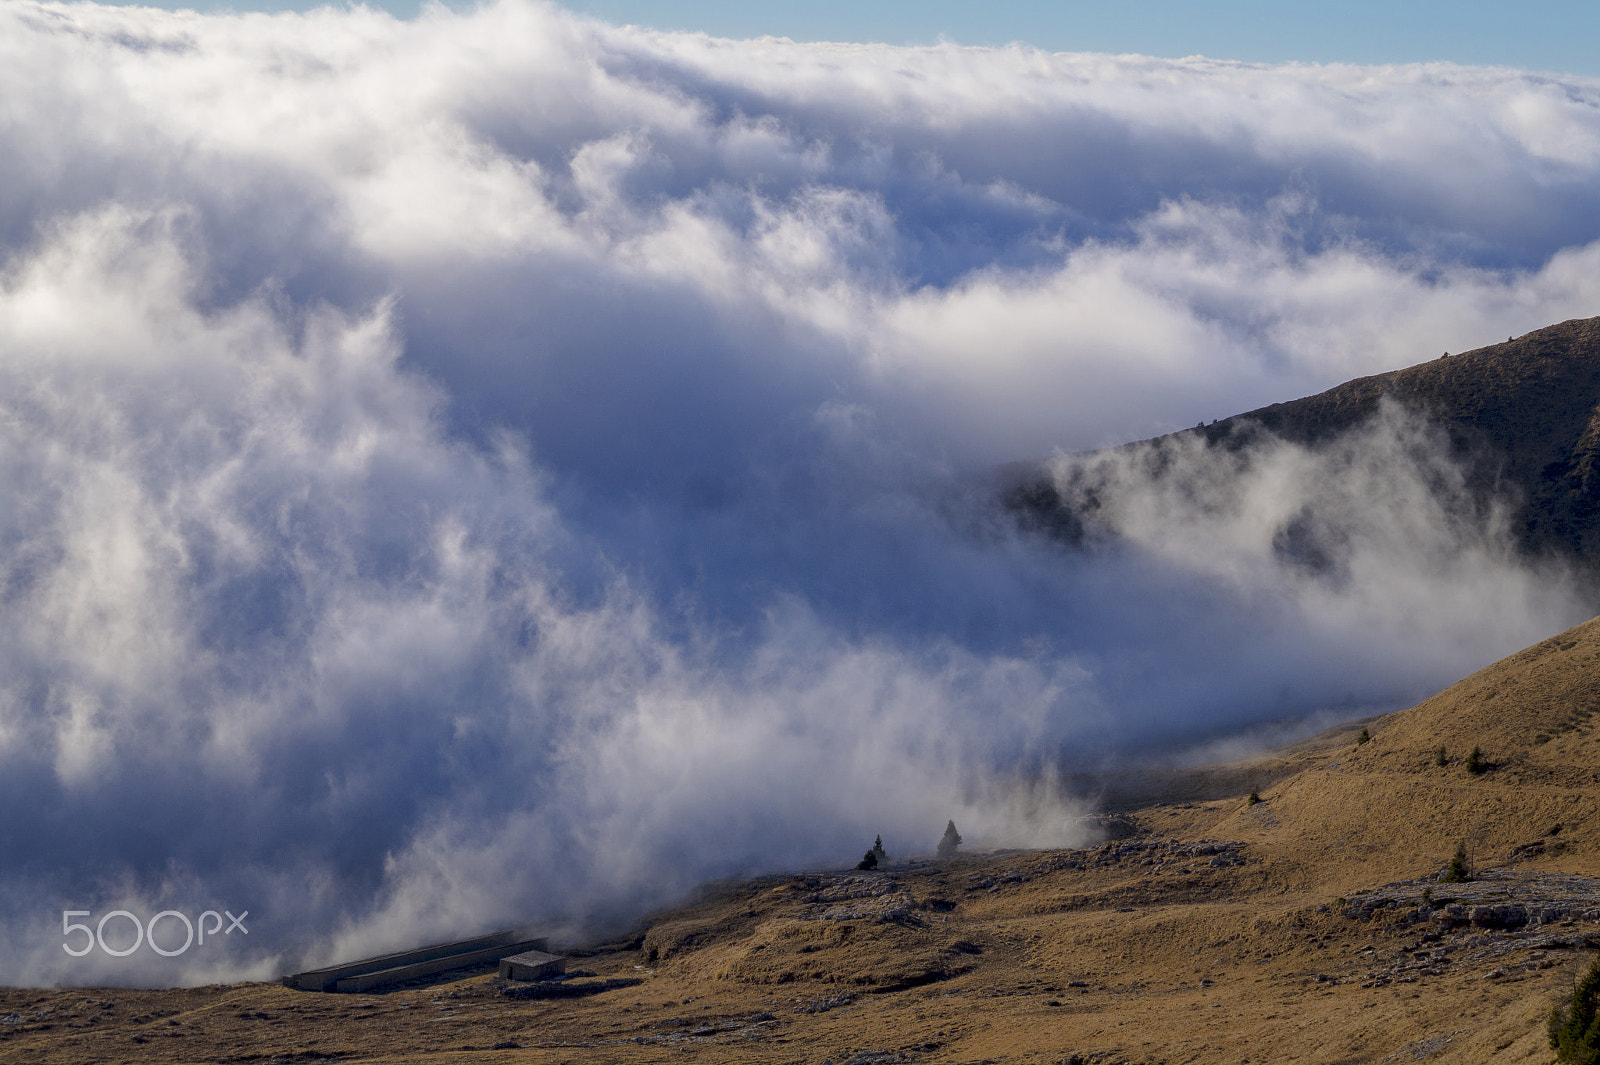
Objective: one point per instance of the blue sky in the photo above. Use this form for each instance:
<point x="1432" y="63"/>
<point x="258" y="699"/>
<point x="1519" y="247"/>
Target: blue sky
<point x="1551" y="35"/>
<point x="1546" y="36"/>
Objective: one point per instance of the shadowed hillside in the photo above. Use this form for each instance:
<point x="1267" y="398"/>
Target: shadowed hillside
<point x="1522" y="419"/>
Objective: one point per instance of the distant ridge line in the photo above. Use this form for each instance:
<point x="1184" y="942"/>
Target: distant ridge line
<point x="1522" y="417"/>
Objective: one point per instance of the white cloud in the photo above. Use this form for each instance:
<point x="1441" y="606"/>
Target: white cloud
<point x="498" y="467"/>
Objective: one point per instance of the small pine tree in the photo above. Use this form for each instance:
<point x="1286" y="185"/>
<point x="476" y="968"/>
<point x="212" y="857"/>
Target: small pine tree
<point x="1575" y="1030"/>
<point x="1255" y="797"/>
<point x="877" y="849"/>
<point x="1458" y="872"/>
<point x="868" y="861"/>
<point x="1439" y="756"/>
<point x="1475" y="762"/>
<point x="1365" y="737"/>
<point x="950" y="841"/>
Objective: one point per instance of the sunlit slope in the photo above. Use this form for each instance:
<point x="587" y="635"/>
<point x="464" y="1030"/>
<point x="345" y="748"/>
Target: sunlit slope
<point x="1388" y="807"/>
<point x="1211" y="934"/>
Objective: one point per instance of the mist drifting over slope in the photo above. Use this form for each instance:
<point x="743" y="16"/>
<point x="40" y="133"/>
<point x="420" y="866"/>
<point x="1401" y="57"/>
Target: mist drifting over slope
<point x="501" y="467"/>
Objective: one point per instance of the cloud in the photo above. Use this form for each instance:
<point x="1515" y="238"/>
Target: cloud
<point x="1363" y="540"/>
<point x="504" y="468"/>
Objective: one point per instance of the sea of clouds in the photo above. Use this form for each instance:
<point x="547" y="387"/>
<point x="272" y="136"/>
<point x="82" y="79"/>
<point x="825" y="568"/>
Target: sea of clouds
<point x="503" y="468"/>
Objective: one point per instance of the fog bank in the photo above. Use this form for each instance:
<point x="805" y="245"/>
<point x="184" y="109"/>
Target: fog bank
<point x="502" y="468"/>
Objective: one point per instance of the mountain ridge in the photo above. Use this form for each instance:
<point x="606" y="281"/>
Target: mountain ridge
<point x="1522" y="419"/>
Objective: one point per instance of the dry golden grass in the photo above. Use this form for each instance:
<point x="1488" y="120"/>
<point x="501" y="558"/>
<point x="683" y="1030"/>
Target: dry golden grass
<point x="1152" y="949"/>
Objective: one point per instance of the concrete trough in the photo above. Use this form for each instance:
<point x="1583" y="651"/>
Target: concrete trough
<point x="532" y="965"/>
<point x="385" y="970"/>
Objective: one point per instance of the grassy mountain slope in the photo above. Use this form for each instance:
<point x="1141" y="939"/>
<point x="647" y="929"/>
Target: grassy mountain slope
<point x="1524" y="413"/>
<point x="1397" y="812"/>
<point x="1523" y="417"/>
<point x="1303" y="927"/>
